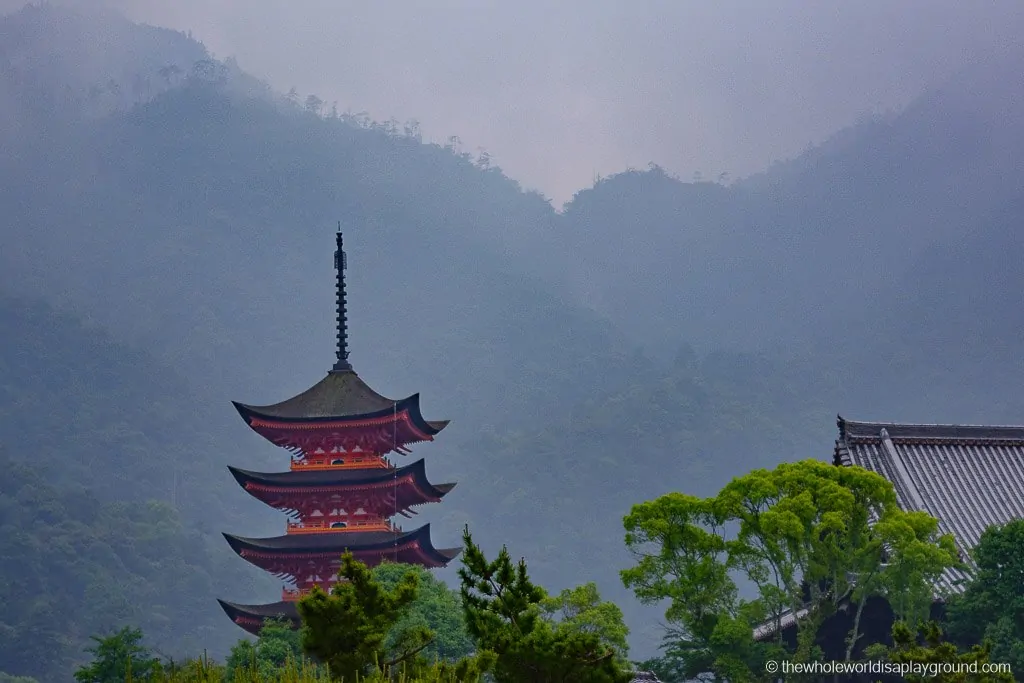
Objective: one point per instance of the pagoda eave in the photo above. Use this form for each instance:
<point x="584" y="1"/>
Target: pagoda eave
<point x="282" y="555"/>
<point x="253" y="617"/>
<point x="379" y="431"/>
<point x="403" y="488"/>
<point x="286" y="565"/>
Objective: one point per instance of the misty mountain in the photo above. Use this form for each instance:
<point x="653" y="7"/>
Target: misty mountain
<point x="220" y="206"/>
<point x="110" y="500"/>
<point x="58" y="64"/>
<point x="884" y="254"/>
<point x="184" y="239"/>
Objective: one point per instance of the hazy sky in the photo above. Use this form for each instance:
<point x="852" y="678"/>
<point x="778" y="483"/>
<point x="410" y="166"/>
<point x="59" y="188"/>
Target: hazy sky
<point x="560" y="90"/>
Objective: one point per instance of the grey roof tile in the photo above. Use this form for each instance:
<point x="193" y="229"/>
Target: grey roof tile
<point x="970" y="477"/>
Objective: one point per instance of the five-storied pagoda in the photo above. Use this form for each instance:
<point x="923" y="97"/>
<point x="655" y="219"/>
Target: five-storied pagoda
<point x="341" y="490"/>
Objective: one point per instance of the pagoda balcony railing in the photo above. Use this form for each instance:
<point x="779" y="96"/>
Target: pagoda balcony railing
<point x="341" y="461"/>
<point x="354" y="525"/>
<point x="296" y="594"/>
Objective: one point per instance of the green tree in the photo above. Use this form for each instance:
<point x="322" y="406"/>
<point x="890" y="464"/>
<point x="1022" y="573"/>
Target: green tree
<point x="937" y="661"/>
<point x="505" y="614"/>
<point x="348" y="628"/>
<point x="436" y="608"/>
<point x="902" y="560"/>
<point x="278" y="647"/>
<point x="991" y="607"/>
<point x="118" y="654"/>
<point x="581" y="609"/>
<point x="802" y="534"/>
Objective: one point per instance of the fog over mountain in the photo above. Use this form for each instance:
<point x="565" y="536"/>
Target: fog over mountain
<point x="168" y="221"/>
<point x="561" y="92"/>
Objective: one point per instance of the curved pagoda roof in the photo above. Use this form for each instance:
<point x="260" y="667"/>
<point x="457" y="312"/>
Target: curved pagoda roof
<point x="279" y="489"/>
<point x="342" y="478"/>
<point x="252" y="617"/>
<point x="341" y="411"/>
<point x="341" y="396"/>
<point x="336" y="543"/>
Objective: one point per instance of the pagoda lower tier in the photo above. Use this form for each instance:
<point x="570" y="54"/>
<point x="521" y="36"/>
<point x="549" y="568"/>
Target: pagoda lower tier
<point x="336" y="495"/>
<point x="253" y="617"/>
<point x="314" y="558"/>
<point x="341" y="411"/>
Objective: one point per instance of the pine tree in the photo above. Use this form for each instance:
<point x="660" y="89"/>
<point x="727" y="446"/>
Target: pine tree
<point x="504" y="614"/>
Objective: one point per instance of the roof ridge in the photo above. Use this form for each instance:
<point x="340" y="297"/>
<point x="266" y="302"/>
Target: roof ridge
<point x="908" y="430"/>
<point x="952" y="425"/>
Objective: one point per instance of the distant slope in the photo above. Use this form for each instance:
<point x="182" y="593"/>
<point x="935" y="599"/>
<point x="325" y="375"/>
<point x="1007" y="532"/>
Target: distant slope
<point x="112" y="493"/>
<point x="889" y="255"/>
<point x="59" y="64"/>
<point x="72" y="567"/>
<point x="105" y="416"/>
<point x="208" y="218"/>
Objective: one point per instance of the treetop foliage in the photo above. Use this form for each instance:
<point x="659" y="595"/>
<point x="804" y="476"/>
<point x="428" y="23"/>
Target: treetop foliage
<point x="505" y="614"/>
<point x="991" y="607"/>
<point x="807" y="535"/>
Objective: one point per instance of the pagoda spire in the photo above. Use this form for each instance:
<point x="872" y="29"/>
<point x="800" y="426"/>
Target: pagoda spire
<point x="342" y="364"/>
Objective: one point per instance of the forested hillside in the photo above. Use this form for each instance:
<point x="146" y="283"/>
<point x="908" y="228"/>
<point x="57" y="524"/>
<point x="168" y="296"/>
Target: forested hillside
<point x="182" y="234"/>
<point x="883" y="254"/>
<point x="112" y="494"/>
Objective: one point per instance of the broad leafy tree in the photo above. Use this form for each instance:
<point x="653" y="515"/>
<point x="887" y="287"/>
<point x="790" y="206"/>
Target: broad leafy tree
<point x="437" y="608"/>
<point x="278" y="647"/>
<point x="902" y="561"/>
<point x="992" y="605"/>
<point x="582" y="609"/>
<point x="802" y="534"/>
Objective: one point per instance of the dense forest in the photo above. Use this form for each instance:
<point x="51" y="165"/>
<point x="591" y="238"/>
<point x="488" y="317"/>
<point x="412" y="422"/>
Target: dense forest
<point x="167" y="249"/>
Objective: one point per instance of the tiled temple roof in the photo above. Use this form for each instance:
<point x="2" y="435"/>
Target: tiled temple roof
<point x="968" y="476"/>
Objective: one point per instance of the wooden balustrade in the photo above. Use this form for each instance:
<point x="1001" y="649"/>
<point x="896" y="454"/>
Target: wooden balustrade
<point x="319" y="527"/>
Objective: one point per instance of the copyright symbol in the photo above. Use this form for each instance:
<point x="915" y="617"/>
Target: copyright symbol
<point x="771" y="666"/>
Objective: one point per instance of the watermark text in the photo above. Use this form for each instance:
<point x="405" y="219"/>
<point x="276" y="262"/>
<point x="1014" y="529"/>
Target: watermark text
<point x="925" y="669"/>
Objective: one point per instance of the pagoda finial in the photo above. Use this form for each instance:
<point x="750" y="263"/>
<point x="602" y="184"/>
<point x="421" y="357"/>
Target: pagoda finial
<point x="342" y="365"/>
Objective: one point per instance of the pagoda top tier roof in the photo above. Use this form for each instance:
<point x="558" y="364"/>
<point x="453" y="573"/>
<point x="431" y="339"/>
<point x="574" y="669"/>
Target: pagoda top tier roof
<point x="339" y="397"/>
<point x="342" y="478"/>
<point x="339" y="542"/>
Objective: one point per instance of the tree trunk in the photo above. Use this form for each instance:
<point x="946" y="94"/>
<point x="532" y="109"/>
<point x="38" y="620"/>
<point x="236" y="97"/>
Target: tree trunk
<point x="855" y="632"/>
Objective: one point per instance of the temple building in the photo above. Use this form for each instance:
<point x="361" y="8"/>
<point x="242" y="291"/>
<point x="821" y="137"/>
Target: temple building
<point x="968" y="477"/>
<point x="342" y="490"/>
